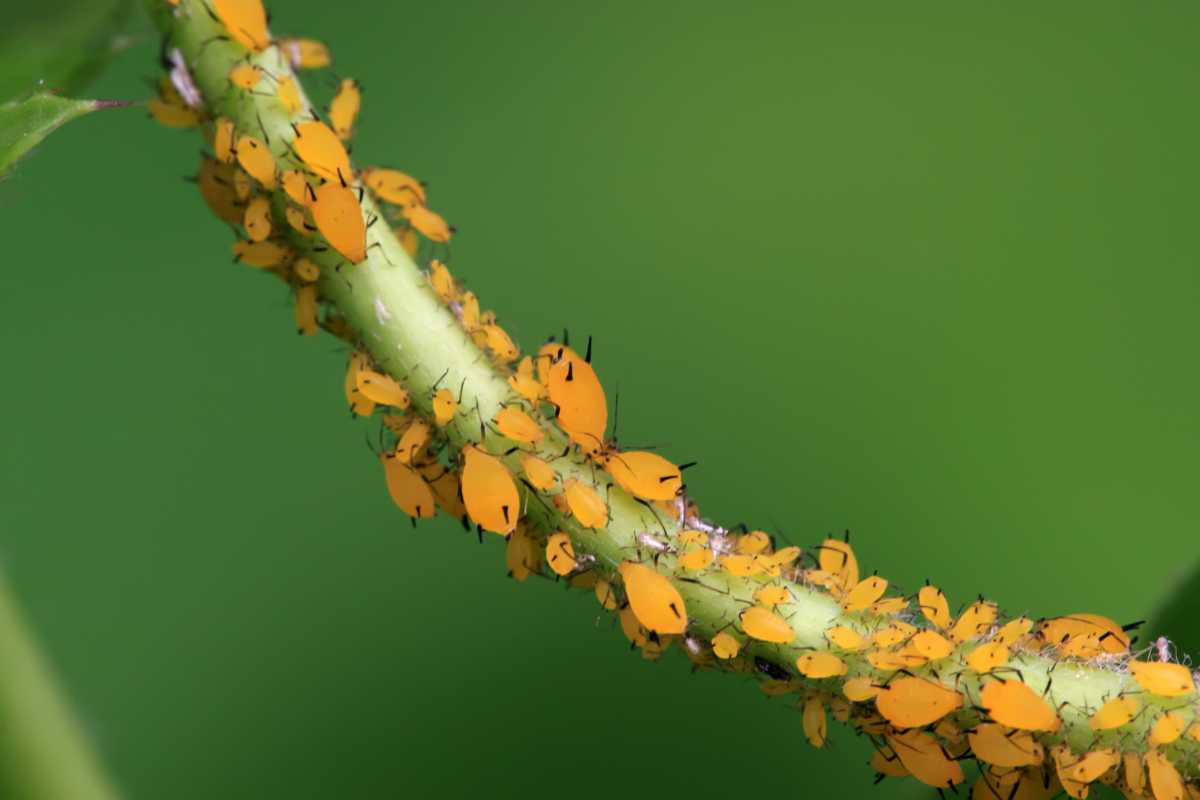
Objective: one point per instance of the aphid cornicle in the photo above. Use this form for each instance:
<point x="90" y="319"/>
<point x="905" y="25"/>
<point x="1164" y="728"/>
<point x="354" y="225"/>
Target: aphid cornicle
<point x="489" y="492"/>
<point x="339" y="218"/>
<point x="246" y="22"/>
<point x="654" y="599"/>
<point x="343" y="109"/>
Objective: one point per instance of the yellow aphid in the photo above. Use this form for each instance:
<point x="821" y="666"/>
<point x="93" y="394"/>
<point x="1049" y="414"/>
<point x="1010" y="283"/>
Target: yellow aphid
<point x="1164" y="778"/>
<point x="525" y="384"/>
<point x="339" y="218"/>
<point x="864" y="593"/>
<point x="444" y="285"/>
<point x="245" y="76"/>
<point x="521" y="555"/>
<point x="575" y="390"/>
<point x="837" y="558"/>
<point x="1135" y="772"/>
<point x="515" y="424"/>
<point x="1165" y="680"/>
<point x="586" y="504"/>
<point x="1194" y="731"/>
<point x="916" y="702"/>
<point x="223" y="139"/>
<point x="296" y="187"/>
<point x="740" y="566"/>
<point x="654" y="599"/>
<point x="693" y="537"/>
<point x="1115" y="713"/>
<point x="171" y="115"/>
<point x="539" y="474"/>
<point x="784" y="557"/>
<point x="412" y="441"/>
<point x="817" y="665"/>
<point x="343" y="110"/>
<point x="322" y="152"/>
<point x="845" y="638"/>
<point x="489" y="492"/>
<point x="988" y="657"/>
<point x="930" y="645"/>
<point x="393" y="186"/>
<point x="447" y="491"/>
<point x="408" y="240"/>
<point x="890" y="662"/>
<point x="255" y="157"/>
<point x="888" y="764"/>
<point x="428" y="223"/>
<point x="765" y="625"/>
<point x="560" y="554"/>
<point x="243" y="186"/>
<point x="1014" y="704"/>
<point x="262" y="254"/>
<point x="752" y="543"/>
<point x="606" y="596"/>
<point x="630" y="626"/>
<point x="382" y="389"/>
<point x="925" y="758"/>
<point x="257" y="219"/>
<point x="298" y="221"/>
<point x="696" y="558"/>
<point x="889" y="606"/>
<point x="246" y="21"/>
<point x="1167" y="729"/>
<point x="725" y="646"/>
<point x="305" y="310"/>
<point x="975" y="621"/>
<point x="893" y="634"/>
<point x="469" y="311"/>
<point x="501" y="344"/>
<point x="934" y="606"/>
<point x="814" y="721"/>
<point x="860" y="690"/>
<point x="358" y="402"/>
<point x="289" y="95"/>
<point x="306" y="270"/>
<point x="1000" y="747"/>
<point x="646" y="475"/>
<point x="215" y="181"/>
<point x="771" y="596"/>
<point x="1090" y="634"/>
<point x="1014" y="631"/>
<point x="305" y="53"/>
<point x="445" y="406"/>
<point x="408" y="489"/>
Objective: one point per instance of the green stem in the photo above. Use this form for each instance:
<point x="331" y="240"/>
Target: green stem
<point x="43" y="752"/>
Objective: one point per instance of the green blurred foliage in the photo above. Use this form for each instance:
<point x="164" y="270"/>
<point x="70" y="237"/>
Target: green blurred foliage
<point x="928" y="273"/>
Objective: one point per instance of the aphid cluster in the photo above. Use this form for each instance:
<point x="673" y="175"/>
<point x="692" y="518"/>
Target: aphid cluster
<point x="929" y="688"/>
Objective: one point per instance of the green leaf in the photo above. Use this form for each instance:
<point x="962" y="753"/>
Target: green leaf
<point x="1178" y="616"/>
<point x="25" y="123"/>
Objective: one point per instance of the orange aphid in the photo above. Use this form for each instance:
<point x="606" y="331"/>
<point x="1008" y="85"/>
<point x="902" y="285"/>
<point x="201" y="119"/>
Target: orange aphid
<point x="1115" y="713"/>
<point x="696" y="558"/>
<point x="322" y="151"/>
<point x="245" y="76"/>
<point x="339" y="218"/>
<point x="412" y="441"/>
<point x="1000" y="747"/>
<point x="930" y="645"/>
<point x="262" y="254"/>
<point x="654" y="599"/>
<point x="693" y="537"/>
<point x="242" y="184"/>
<point x="257" y="218"/>
<point x="988" y="657"/>
<point x="445" y="406"/>
<point x="381" y="389"/>
<point x="343" y="110"/>
<point x="860" y="690"/>
<point x="215" y="181"/>
<point x="539" y="474"/>
<point x="469" y="311"/>
<point x="915" y="702"/>
<point x="765" y="625"/>
<point x="845" y="638"/>
<point x="255" y="157"/>
<point x="305" y="310"/>
<point x="814" y="721"/>
<point x="246" y="21"/>
<point x="893" y="634"/>
<point x="817" y="665"/>
<point x="1092" y="765"/>
<point x="725" y="646"/>
<point x="975" y="621"/>
<point x="1165" y="781"/>
<point x="864" y="593"/>
<point x="428" y="223"/>
<point x="922" y="756"/>
<point x="1014" y="631"/>
<point x="489" y="492"/>
<point x="575" y="390"/>
<point x="223" y="139"/>
<point x="1135" y="772"/>
<point x="606" y="596"/>
<point x="501" y="344"/>
<point x="359" y="403"/>
<point x="1163" y="679"/>
<point x="784" y="557"/>
<point x="408" y="489"/>
<point x="515" y="424"/>
<point x="646" y="475"/>
<point x="934" y="606"/>
<point x="521" y="554"/>
<point x="560" y="554"/>
<point x="586" y="504"/>
<point x="1014" y="704"/>
<point x="888" y="764"/>
<point x="172" y="115"/>
<point x="837" y="558"/>
<point x="288" y="93"/>
<point x="1084" y="635"/>
<point x="771" y="596"/>
<point x="443" y="283"/>
<point x="446" y="490"/>
<point x="296" y="187"/>
<point x="394" y="186"/>
<point x="1167" y="729"/>
<point x="740" y="566"/>
<point x="305" y="53"/>
<point x="749" y="544"/>
<point x="889" y="606"/>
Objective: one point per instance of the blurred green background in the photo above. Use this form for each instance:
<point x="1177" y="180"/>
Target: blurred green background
<point x="924" y="271"/>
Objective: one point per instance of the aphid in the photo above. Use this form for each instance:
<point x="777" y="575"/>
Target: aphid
<point x="359" y="403"/>
<point x="740" y="566"/>
<point x="393" y="186"/>
<point x="922" y="756"/>
<point x="223" y="138"/>
<point x="837" y="558"/>
<point x="1014" y="704"/>
<point x="289" y="95"/>
<point x="296" y="187"/>
<point x="814" y="721"/>
<point x="575" y="390"/>
<point x="560" y="554"/>
<point x="973" y="622"/>
<point x="523" y="382"/>
<point x="725" y="646"/>
<point x="299" y="223"/>
<point x="1115" y="713"/>
<point x="539" y="474"/>
<point x="215" y="181"/>
<point x="1000" y="747"/>
<point x="644" y="474"/>
<point x="1014" y="631"/>
<point x="305" y="53"/>
<point x="654" y="599"/>
<point x="988" y="657"/>
<point x="501" y="344"/>
<point x="586" y="504"/>
<point x="930" y="645"/>
<point x="412" y="441"/>
<point x="171" y="115"/>
<point x="322" y="151"/>
<point x="748" y="544"/>
<point x="339" y="218"/>
<point x="771" y="596"/>
<point x="606" y="596"/>
<point x="447" y="491"/>
<point x="245" y="76"/>
<point x="428" y="223"/>
<point x="693" y="537"/>
<point x="262" y="254"/>
<point x="887" y="764"/>
<point x="343" y="110"/>
<point x="443" y="283"/>
<point x="1084" y="635"/>
<point x="381" y="389"/>
<point x="445" y="406"/>
<point x="243" y="186"/>
<point x="696" y="559"/>
<point x="821" y="665"/>
<point x="934" y="606"/>
<point x="915" y="702"/>
<point x="305" y="310"/>
<point x="257" y="219"/>
<point x="515" y="424"/>
<point x="521" y="554"/>
<point x="1135" y="772"/>
<point x="469" y="311"/>
<point x="864" y="593"/>
<point x="893" y="634"/>
<point x="860" y="690"/>
<point x="765" y="625"/>
<point x="1164" y="778"/>
<point x="784" y="557"/>
<point x="846" y="639"/>
<point x="246" y="21"/>
<point x="1167" y="729"/>
<point x="407" y="488"/>
<point x="489" y="492"/>
<point x="255" y="157"/>
<point x="1165" y="680"/>
<point x="889" y="606"/>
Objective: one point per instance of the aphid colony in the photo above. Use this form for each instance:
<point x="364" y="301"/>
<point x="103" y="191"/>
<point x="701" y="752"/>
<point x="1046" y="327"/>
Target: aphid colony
<point x="929" y="688"/>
